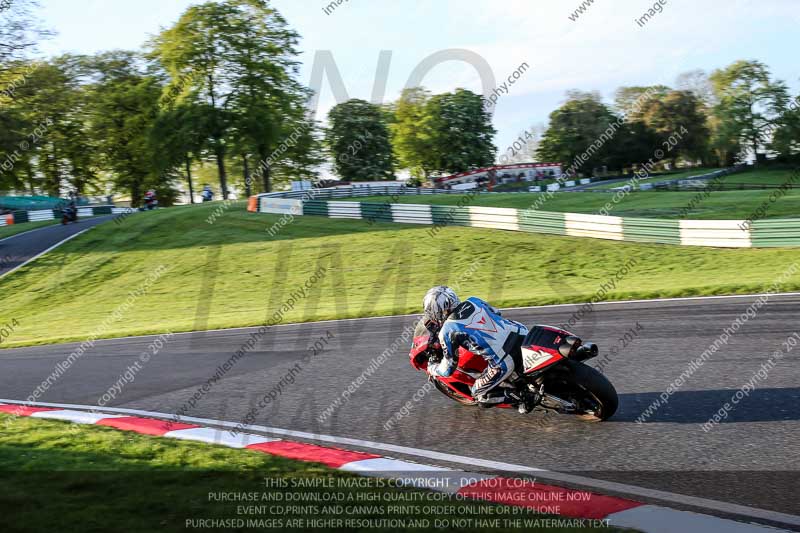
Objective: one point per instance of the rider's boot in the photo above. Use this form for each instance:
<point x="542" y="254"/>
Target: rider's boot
<point x="492" y="398"/>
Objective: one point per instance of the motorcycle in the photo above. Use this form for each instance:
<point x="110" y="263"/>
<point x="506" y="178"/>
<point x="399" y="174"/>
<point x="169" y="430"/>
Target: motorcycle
<point x="69" y="214"/>
<point x="549" y="375"/>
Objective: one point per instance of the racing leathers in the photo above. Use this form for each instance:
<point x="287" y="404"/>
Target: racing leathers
<point x="478" y="327"/>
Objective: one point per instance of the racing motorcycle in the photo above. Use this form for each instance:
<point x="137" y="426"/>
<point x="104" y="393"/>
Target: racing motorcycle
<point x="69" y="214"/>
<point x="549" y="373"/>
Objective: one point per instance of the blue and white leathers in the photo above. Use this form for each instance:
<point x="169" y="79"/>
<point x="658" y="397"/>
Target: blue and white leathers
<point x="479" y="328"/>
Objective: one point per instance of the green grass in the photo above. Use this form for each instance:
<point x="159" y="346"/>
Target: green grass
<point x="733" y="205"/>
<point x="764" y="177"/>
<point x="659" y="177"/>
<point x="69" y="478"/>
<point x="750" y="177"/>
<point x="232" y="273"/>
<point x="8" y="231"/>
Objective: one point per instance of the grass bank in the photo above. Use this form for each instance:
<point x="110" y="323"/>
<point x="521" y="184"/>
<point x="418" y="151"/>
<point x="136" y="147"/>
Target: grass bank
<point x="660" y="176"/>
<point x="733" y="205"/>
<point x="73" y="478"/>
<point x="169" y="270"/>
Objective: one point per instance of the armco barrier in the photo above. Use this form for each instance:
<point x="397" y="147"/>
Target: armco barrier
<point x="18" y="217"/>
<point x="716" y="233"/>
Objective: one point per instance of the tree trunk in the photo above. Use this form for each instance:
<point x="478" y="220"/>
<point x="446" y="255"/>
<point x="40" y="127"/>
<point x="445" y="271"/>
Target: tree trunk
<point x="136" y="193"/>
<point x="223" y="177"/>
<point x="247" y="188"/>
<point x="755" y="149"/>
<point x="265" y="176"/>
<point x="189" y="179"/>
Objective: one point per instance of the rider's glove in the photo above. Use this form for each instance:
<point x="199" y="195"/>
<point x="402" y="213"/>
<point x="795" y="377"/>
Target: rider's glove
<point x="432" y="369"/>
<point x="443" y="369"/>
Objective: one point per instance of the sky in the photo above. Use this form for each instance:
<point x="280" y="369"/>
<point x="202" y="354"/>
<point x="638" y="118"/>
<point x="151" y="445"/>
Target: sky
<point x="602" y="49"/>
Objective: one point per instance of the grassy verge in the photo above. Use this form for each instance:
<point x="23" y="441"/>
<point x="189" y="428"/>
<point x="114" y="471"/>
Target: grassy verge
<point x="8" y="231"/>
<point x="734" y="205"/>
<point x="232" y="273"/>
<point x="659" y="177"/>
<point x="72" y="478"/>
<point x="763" y="177"/>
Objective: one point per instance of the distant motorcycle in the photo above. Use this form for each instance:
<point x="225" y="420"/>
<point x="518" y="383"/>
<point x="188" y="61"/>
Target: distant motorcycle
<point x="150" y="201"/>
<point x="69" y="214"/>
<point x="549" y="373"/>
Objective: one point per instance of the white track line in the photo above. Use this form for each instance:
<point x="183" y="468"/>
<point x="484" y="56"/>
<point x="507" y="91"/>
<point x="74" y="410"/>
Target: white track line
<point x="607" y="486"/>
<point x="37" y="256"/>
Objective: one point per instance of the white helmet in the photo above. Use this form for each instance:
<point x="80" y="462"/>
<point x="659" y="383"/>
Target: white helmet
<point x="438" y="303"/>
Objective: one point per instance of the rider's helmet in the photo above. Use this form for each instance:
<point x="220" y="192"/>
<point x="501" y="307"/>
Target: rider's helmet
<point x="438" y="303"/>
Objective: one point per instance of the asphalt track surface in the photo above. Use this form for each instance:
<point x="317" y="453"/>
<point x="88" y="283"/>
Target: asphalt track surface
<point x="752" y="458"/>
<point x="17" y="249"/>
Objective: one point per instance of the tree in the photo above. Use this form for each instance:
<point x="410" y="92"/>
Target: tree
<point x="51" y="104"/>
<point x="461" y="131"/>
<point x="633" y="144"/>
<point x="579" y="131"/>
<point x="303" y="151"/>
<point x="178" y="137"/>
<point x="629" y="101"/>
<point x="786" y="139"/>
<point x="358" y="140"/>
<point x="267" y="102"/>
<point x="699" y="84"/>
<point x="193" y="51"/>
<point x="411" y="133"/>
<point x="750" y="104"/>
<point x="678" y="120"/>
<point x="19" y="31"/>
<point x="124" y="111"/>
<point x="240" y="60"/>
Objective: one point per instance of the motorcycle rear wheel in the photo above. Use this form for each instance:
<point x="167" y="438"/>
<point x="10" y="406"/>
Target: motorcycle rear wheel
<point x="594" y="396"/>
<point x="447" y="391"/>
<point x="599" y="393"/>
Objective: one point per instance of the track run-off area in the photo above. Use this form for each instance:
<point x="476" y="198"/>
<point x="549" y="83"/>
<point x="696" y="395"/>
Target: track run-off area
<point x="352" y="379"/>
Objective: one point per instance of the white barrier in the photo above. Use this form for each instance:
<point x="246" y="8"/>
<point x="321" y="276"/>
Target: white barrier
<point x="412" y="214"/>
<point x="720" y="233"/>
<point x="282" y="206"/>
<point x="493" y="217"/>
<point x="597" y="226"/>
<point x="38" y="216"/>
<point x="344" y="209"/>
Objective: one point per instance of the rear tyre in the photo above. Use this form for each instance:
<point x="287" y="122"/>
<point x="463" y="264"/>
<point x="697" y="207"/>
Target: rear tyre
<point x="596" y="397"/>
<point x="447" y="391"/>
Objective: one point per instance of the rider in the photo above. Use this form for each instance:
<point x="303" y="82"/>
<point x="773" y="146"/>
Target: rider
<point x="150" y="199"/>
<point x="477" y="327"/>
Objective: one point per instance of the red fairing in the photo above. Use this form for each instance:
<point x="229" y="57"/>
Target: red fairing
<point x="419" y="352"/>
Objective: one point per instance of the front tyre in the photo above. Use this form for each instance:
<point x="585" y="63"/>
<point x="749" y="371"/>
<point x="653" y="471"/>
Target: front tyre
<point x="595" y="396"/>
